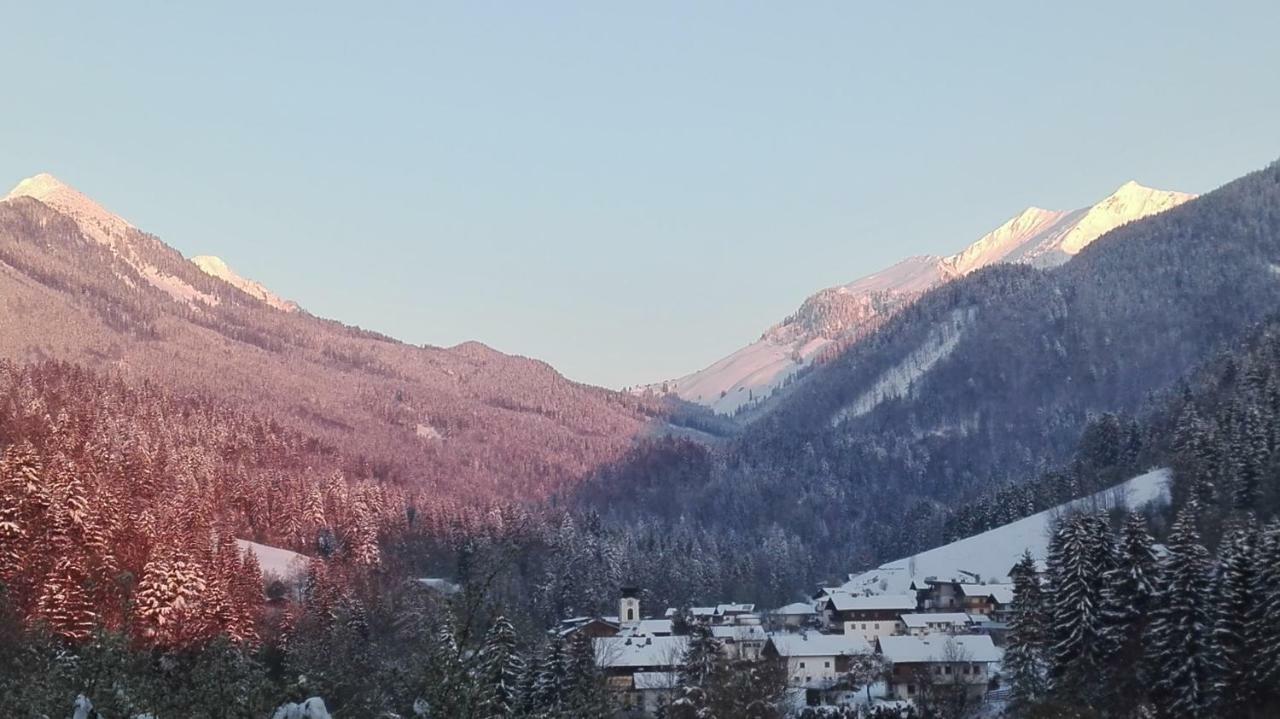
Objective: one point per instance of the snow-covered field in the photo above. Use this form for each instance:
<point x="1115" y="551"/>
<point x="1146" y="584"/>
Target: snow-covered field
<point x="993" y="553"/>
<point x="282" y="563"/>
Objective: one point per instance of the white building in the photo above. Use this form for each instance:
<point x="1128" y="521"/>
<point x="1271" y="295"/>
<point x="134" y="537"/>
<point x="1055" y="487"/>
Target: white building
<point x="920" y="663"/>
<point x="869" y="616"/>
<point x="918" y="625"/>
<point x="638" y="669"/>
<point x="815" y="660"/>
<point x="795" y="615"/>
<point x="741" y="641"/>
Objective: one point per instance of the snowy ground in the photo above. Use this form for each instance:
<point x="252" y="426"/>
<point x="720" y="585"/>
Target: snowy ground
<point x="281" y="563"/>
<point x="992" y="553"/>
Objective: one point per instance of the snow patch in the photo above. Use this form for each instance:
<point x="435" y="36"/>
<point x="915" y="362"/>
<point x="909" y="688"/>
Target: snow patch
<point x="426" y="431"/>
<point x="281" y="563"/>
<point x="216" y="267"/>
<point x="898" y="381"/>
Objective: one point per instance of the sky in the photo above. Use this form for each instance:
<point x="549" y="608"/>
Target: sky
<point x="628" y="191"/>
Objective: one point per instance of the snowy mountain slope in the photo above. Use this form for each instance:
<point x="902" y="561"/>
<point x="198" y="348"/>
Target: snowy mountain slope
<point x="109" y="229"/>
<point x="79" y="284"/>
<point x="216" y="267"/>
<point x="991" y="554"/>
<point x="126" y="241"/>
<point x="835" y="317"/>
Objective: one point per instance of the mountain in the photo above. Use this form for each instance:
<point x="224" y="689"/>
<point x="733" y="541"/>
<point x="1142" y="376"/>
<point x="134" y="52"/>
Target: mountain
<point x="983" y="382"/>
<point x="837" y="316"/>
<point x="216" y="267"/>
<point x="80" y="284"/>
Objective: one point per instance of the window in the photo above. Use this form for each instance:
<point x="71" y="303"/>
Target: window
<point x="631" y="614"/>
<point x="826" y="665"/>
<point x="802" y="665"/>
<point x="911" y="688"/>
<point x="946" y="669"/>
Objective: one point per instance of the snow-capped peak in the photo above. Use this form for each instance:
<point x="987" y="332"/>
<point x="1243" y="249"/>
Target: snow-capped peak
<point x="216" y="267"/>
<point x="96" y="221"/>
<point x="1004" y="241"/>
<point x="840" y="315"/>
<point x="1131" y="201"/>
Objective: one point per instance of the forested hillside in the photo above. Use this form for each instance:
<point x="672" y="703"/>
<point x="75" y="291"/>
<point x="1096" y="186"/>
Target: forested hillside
<point x="987" y="381"/>
<point x="82" y="286"/>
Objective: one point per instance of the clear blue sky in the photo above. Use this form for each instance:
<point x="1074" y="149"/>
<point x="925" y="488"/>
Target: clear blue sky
<point x="628" y="191"/>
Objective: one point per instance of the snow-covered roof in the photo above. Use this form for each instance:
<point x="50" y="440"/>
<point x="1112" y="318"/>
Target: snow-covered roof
<point x="1002" y="593"/>
<point x="740" y="632"/>
<point x="810" y="644"/>
<point x="651" y="627"/>
<point x="655" y="680"/>
<point x="917" y="620"/>
<point x="796" y="608"/>
<point x="640" y="651"/>
<point x="735" y="608"/>
<point x="847" y="602"/>
<point x="964" y="648"/>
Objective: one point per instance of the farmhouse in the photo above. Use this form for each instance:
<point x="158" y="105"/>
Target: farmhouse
<point x="868" y="617"/>
<point x="922" y="663"/>
<point x="815" y="661"/>
<point x="639" y="671"/>
<point x="918" y="625"/>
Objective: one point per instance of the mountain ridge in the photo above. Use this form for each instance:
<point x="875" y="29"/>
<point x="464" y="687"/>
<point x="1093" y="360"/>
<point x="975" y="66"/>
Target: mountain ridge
<point x="834" y="317"/>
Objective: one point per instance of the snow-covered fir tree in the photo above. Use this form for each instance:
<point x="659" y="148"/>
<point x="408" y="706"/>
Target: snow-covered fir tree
<point x="1026" y="658"/>
<point x="501" y="669"/>
<point x="1126" y="606"/>
<point x="1181" y="648"/>
<point x="1264" y="621"/>
<point x="1233" y="650"/>
<point x="1078" y="558"/>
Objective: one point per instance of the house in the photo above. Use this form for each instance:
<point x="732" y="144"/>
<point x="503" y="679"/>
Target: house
<point x="922" y="663"/>
<point x="795" y="616"/>
<point x="653" y="690"/>
<point x="941" y="594"/>
<point x="632" y="665"/>
<point x="594" y="627"/>
<point x="741" y="641"/>
<point x="986" y="599"/>
<point x="918" y="625"/>
<point x="868" y="617"/>
<point x="815" y="661"/>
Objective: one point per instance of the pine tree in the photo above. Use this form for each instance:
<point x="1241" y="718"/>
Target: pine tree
<point x="584" y="692"/>
<point x="1076" y="558"/>
<point x="1234" y="602"/>
<point x="700" y="676"/>
<point x="1180" y="645"/>
<point x="549" y="685"/>
<point x="167" y="600"/>
<point x="1264" y="620"/>
<point x="501" y="669"/>
<point x="1126" y="603"/>
<point x="1025" y="658"/>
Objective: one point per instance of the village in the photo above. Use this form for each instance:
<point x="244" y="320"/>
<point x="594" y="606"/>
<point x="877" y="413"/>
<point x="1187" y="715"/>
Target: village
<point x="918" y="634"/>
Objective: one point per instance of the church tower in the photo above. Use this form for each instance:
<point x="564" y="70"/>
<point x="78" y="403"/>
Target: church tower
<point x="629" y="606"/>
